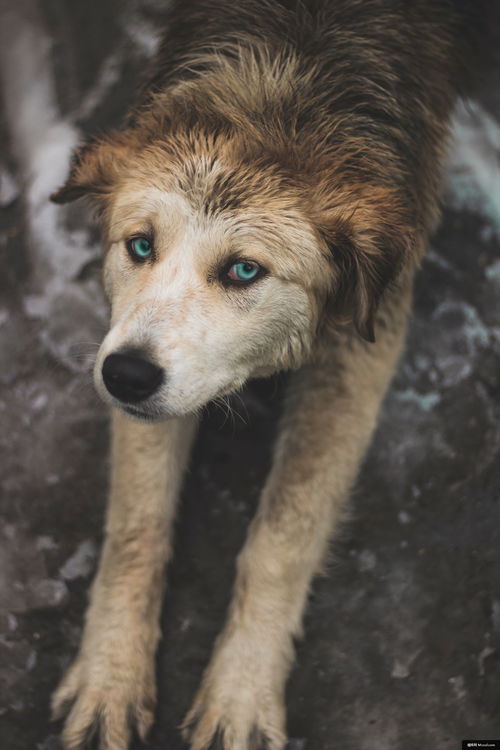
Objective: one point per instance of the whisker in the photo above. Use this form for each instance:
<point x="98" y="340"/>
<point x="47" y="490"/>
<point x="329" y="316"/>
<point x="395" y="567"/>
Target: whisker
<point x="237" y="394"/>
<point x="222" y="404"/>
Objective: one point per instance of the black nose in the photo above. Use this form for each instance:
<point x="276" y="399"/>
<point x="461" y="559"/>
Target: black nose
<point x="131" y="378"/>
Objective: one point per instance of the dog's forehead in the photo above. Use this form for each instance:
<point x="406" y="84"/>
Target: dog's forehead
<point x="168" y="214"/>
<point x="204" y="205"/>
<point x="211" y="199"/>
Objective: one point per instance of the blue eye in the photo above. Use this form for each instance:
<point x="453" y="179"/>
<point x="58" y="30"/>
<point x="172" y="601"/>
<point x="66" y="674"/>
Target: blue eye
<point x="244" y="271"/>
<point x="140" y="248"/>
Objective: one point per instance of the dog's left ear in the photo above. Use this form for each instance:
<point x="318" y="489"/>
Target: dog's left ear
<point x="96" y="167"/>
<point x="370" y="240"/>
<point x="371" y="267"/>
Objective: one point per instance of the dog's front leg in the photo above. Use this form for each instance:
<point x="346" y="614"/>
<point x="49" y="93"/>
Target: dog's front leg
<point x="111" y="684"/>
<point x="330" y="415"/>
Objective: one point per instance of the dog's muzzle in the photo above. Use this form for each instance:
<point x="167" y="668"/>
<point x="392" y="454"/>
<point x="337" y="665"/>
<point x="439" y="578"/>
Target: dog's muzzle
<point x="130" y="378"/>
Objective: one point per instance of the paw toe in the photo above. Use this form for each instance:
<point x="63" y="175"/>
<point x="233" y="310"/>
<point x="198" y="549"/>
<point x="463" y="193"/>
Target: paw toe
<point x="65" y="693"/>
<point x="144" y="716"/>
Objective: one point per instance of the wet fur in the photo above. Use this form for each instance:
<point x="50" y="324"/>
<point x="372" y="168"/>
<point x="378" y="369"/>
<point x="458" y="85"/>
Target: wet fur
<point x="319" y="128"/>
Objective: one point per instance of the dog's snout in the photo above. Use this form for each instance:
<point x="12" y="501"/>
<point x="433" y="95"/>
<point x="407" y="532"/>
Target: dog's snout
<point x="130" y="377"/>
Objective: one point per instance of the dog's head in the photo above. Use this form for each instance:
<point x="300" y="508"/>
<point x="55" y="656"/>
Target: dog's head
<point x="221" y="264"/>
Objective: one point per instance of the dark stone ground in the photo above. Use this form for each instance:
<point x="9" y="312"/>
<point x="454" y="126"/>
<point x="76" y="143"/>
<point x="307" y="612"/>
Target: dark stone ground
<point x="402" y="646"/>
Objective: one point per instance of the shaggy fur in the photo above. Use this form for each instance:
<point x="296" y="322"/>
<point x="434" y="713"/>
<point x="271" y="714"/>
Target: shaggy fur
<point x="306" y="137"/>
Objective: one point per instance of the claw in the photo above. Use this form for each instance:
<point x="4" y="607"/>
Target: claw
<point x="109" y="708"/>
<point x="144" y="719"/>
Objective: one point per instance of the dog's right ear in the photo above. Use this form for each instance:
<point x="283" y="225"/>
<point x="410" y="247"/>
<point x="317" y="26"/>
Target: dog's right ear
<point x="96" y="167"/>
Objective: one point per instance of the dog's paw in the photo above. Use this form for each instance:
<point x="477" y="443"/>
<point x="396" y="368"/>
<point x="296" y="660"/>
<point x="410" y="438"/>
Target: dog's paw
<point x="238" y="722"/>
<point x="105" y="696"/>
<point x="236" y="708"/>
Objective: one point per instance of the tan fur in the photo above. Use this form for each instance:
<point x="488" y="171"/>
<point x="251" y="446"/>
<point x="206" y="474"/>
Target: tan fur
<point x="321" y="165"/>
<point x="113" y="675"/>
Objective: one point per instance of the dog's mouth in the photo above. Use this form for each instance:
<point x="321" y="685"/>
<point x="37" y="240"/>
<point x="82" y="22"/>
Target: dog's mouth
<point x="142" y="415"/>
<point x="152" y="413"/>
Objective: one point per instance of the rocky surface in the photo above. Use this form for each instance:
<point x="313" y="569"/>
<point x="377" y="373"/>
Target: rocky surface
<point x="402" y="646"/>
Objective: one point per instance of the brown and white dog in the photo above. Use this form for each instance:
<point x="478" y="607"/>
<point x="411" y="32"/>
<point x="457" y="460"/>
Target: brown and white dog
<point x="264" y="209"/>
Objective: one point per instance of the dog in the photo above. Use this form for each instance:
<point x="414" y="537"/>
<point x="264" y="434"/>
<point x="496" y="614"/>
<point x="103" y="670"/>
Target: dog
<point x="264" y="209"/>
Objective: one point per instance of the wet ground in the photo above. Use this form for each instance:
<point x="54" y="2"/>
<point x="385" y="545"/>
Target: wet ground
<point x="402" y="646"/>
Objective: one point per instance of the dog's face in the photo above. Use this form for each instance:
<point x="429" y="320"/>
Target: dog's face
<point x="214" y="276"/>
<point x="215" y="271"/>
<point x="212" y="298"/>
